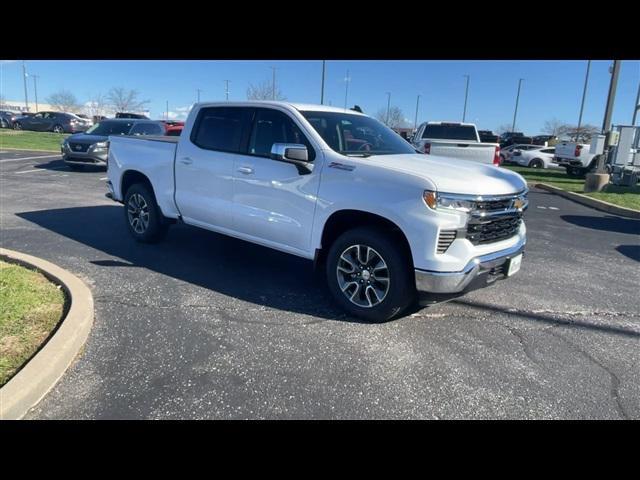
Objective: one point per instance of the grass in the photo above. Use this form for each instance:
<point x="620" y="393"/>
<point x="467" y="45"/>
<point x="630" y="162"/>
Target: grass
<point x="628" y="197"/>
<point x="30" y="308"/>
<point x="25" y="140"/>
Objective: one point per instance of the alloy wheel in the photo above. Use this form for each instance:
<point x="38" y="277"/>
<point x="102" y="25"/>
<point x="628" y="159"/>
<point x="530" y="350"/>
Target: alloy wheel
<point x="363" y="276"/>
<point x="138" y="213"/>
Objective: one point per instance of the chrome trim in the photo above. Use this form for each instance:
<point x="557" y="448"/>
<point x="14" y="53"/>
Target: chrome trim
<point x="454" y="282"/>
<point x="482" y="198"/>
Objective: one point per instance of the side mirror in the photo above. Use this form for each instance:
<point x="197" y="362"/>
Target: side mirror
<point x="294" y="153"/>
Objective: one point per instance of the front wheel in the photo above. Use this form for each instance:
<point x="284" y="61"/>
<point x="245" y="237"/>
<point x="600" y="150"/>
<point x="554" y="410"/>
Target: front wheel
<point x="370" y="275"/>
<point x="58" y="129"/>
<point x="143" y="216"/>
<point x="536" y="163"/>
<point x="17" y="126"/>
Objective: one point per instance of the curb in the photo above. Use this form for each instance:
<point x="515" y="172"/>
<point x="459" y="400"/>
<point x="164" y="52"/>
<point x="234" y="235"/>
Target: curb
<point x="43" y="371"/>
<point x="29" y="150"/>
<point x="590" y="202"/>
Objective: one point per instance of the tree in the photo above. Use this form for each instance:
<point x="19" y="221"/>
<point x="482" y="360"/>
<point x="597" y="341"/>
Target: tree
<point x="63" y="101"/>
<point x="554" y="127"/>
<point x="123" y="100"/>
<point x="505" y="127"/>
<point x="96" y="105"/>
<point x="264" y="91"/>
<point x="396" y="117"/>
<point x="583" y="135"/>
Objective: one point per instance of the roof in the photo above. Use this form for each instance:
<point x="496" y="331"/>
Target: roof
<point x="298" y="106"/>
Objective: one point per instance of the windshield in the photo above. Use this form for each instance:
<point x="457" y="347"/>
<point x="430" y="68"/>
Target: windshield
<point x="110" y="128"/>
<point x="357" y="135"/>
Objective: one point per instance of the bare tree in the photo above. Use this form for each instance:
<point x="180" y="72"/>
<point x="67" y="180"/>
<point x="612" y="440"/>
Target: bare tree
<point x="583" y="135"/>
<point x="505" y="127"/>
<point x="554" y="127"/>
<point x="96" y="106"/>
<point x="63" y="101"/>
<point x="264" y="91"/>
<point x="396" y="117"/>
<point x="123" y="100"/>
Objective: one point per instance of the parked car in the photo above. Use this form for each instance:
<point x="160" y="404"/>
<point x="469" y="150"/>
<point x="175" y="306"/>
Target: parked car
<point x="545" y="140"/>
<point x="534" y="158"/>
<point x="58" y="122"/>
<point x="131" y="115"/>
<point x="173" y="127"/>
<point x="7" y="118"/>
<point x="507" y="152"/>
<point x="330" y="185"/>
<point x="91" y="147"/>
<point x="455" y="140"/>
<point x="512" y="138"/>
<point x="85" y="117"/>
<point x="575" y="158"/>
<point x="487" y="136"/>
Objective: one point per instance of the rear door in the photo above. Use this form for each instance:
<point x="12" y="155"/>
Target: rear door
<point x="204" y="167"/>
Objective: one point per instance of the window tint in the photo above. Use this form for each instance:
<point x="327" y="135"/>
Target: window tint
<point x="220" y="128"/>
<point x="450" y="132"/>
<point x="147" y="129"/>
<point x="272" y="126"/>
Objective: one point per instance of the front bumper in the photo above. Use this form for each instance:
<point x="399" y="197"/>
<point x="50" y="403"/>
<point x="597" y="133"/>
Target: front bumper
<point x="84" y="158"/>
<point x="480" y="271"/>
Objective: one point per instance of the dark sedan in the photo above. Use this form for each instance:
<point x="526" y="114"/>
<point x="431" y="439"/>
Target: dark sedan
<point x="92" y="147"/>
<point x="58" y="122"/>
<point x="7" y="118"/>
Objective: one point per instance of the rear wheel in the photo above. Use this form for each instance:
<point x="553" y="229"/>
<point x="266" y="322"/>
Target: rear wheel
<point x="369" y="275"/>
<point x="143" y="216"/>
<point x="536" y="163"/>
<point x="58" y="129"/>
<point x="17" y="126"/>
<point x="575" y="172"/>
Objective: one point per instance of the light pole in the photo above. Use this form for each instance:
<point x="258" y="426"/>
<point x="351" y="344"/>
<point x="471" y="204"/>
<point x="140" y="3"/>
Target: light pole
<point x="347" y="79"/>
<point x="274" y="83"/>
<point x="584" y="95"/>
<point x="24" y="78"/>
<point x="226" y="89"/>
<point x="388" y="106"/>
<point x="415" y="122"/>
<point x="167" y="110"/>
<point x="636" y="106"/>
<point x="198" y="91"/>
<point x="515" y="113"/>
<point x="466" y="94"/>
<point x="35" y="89"/>
<point x="322" y="85"/>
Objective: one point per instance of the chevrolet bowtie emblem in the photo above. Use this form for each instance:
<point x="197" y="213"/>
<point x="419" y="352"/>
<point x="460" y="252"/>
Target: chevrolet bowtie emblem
<point x="518" y="203"/>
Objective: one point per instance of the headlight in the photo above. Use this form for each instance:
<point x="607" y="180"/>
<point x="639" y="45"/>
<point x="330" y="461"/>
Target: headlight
<point x="101" y="146"/>
<point x="439" y="201"/>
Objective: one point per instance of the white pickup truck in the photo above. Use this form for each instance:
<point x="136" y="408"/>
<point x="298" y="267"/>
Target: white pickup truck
<point x="330" y="185"/>
<point x="575" y="158"/>
<point x="455" y="140"/>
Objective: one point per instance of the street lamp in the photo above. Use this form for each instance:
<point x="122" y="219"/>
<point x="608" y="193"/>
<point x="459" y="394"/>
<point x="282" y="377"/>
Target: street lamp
<point x="347" y="79"/>
<point x="322" y="85"/>
<point x="388" y="106"/>
<point x="515" y="113"/>
<point x="584" y="95"/>
<point x="466" y="94"/>
<point x="415" y="122"/>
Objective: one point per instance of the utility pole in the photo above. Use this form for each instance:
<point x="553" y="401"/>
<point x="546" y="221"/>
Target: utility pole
<point x="636" y="106"/>
<point x="198" y="90"/>
<point x="515" y="113"/>
<point x="466" y="94"/>
<point x="584" y="95"/>
<point x="322" y="86"/>
<point x="35" y="89"/>
<point x="388" y="106"/>
<point x="347" y="79"/>
<point x="274" y="83"/>
<point x="226" y="89"/>
<point x="24" y="78"/>
<point x="415" y="122"/>
<point x="167" y="117"/>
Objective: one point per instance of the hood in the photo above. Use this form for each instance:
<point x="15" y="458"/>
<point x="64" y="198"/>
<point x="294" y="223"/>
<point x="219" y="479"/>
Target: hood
<point x="87" y="139"/>
<point x="451" y="175"/>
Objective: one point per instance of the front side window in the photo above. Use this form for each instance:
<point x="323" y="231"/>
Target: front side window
<point x="272" y="126"/>
<point x="107" y="128"/>
<point x="220" y="128"/>
<point x="356" y="135"/>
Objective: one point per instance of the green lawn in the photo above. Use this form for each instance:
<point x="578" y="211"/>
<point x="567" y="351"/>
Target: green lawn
<point x="628" y="197"/>
<point x="24" y="140"/>
<point x="30" y="308"/>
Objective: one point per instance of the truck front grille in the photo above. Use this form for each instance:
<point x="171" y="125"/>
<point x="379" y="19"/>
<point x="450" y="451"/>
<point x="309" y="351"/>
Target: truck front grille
<point x="445" y="239"/>
<point x="493" y="229"/>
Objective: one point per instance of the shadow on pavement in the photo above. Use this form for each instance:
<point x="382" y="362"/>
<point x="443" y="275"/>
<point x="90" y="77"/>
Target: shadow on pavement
<point x="607" y="223"/>
<point x="232" y="267"/>
<point x="551" y="320"/>
<point x="631" y="251"/>
<point x="59" y="164"/>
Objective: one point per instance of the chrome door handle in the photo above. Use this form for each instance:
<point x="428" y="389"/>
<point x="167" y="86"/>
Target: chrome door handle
<point x="246" y="170"/>
<point x="186" y="160"/>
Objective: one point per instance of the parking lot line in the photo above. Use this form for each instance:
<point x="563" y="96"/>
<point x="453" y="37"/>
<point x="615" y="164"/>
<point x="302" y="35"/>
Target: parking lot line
<point x="40" y="170"/>
<point x="27" y="158"/>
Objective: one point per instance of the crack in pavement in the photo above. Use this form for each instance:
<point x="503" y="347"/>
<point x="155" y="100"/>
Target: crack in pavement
<point x="615" y="381"/>
<point x="525" y="347"/>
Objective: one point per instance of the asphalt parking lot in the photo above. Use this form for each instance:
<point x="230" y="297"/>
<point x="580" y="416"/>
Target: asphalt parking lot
<point x="204" y="326"/>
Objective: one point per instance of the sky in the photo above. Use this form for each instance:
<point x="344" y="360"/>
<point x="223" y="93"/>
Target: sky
<point x="550" y="89"/>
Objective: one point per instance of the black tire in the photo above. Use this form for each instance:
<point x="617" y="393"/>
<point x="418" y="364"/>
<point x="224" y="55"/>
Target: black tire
<point x="75" y="166"/>
<point x="58" y="129"/>
<point x="536" y="163"/>
<point x="17" y="126"/>
<point x="400" y="286"/>
<point x="140" y="203"/>
<point x="575" y="172"/>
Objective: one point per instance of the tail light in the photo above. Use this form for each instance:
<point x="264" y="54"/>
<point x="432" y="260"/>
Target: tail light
<point x="496" y="157"/>
<point x="427" y="148"/>
<point x="577" y="151"/>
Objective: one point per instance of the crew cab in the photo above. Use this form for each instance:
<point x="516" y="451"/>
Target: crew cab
<point x="455" y="140"/>
<point x="333" y="186"/>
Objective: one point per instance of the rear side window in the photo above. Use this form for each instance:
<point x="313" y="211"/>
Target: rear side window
<point x="147" y="129"/>
<point x="220" y="128"/>
<point x="450" y="132"/>
<point x="272" y="126"/>
<point x="548" y="150"/>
